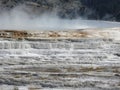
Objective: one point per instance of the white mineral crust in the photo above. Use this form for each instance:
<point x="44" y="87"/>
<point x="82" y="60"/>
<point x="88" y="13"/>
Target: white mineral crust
<point x="87" y="62"/>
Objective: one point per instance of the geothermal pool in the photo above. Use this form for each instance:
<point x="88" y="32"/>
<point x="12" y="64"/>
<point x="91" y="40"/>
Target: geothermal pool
<point x="51" y="23"/>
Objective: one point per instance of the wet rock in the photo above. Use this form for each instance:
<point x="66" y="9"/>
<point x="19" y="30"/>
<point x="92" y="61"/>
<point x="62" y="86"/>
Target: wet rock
<point x="68" y="63"/>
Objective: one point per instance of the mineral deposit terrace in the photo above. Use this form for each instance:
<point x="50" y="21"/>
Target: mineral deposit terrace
<point x="55" y="34"/>
<point x="50" y="60"/>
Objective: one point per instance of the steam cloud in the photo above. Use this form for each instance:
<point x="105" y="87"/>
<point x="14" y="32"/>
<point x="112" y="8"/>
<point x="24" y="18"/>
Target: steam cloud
<point x="19" y="19"/>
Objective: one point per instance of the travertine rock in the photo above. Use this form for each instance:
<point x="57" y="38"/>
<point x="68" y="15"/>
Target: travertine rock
<point x="82" y="59"/>
<point x="64" y="34"/>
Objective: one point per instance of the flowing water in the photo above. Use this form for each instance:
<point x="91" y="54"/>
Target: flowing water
<point x="74" y="64"/>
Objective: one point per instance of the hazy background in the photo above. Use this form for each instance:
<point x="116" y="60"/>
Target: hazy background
<point x="21" y="18"/>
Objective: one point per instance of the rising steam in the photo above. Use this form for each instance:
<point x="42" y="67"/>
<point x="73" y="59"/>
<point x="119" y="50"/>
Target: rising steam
<point x="19" y="19"/>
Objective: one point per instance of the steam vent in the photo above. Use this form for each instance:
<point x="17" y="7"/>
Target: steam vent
<point x="86" y="59"/>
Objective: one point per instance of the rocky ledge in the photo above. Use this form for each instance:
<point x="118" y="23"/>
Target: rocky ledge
<point x="60" y="34"/>
<point x="82" y="59"/>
